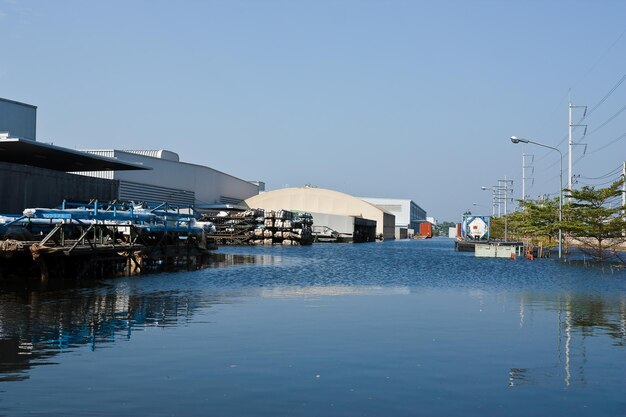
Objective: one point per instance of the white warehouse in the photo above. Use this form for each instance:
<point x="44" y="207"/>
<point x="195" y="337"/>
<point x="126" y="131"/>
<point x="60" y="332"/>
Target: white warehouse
<point x="173" y="181"/>
<point x="408" y="214"/>
<point x="344" y="213"/>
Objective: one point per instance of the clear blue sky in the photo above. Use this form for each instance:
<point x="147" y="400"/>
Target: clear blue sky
<point x="397" y="99"/>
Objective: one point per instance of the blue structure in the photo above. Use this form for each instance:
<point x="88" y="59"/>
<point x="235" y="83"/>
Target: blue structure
<point x="475" y="227"/>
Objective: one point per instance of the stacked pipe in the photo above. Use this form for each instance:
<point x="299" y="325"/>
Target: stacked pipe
<point x="263" y="227"/>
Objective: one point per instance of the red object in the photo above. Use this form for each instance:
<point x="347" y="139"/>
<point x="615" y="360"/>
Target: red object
<point x="426" y="229"/>
<point x="458" y="231"/>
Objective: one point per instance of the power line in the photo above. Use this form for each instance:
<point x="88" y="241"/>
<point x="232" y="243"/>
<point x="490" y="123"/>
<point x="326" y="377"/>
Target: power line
<point x="608" y="174"/>
<point x="604" y="98"/>
<point x="606" y="122"/>
<point x="594" y="108"/>
<point x="622" y="136"/>
<point x="600" y="183"/>
<point x="593" y="67"/>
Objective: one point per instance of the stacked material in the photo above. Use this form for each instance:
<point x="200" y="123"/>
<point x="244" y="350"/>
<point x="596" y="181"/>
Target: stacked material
<point x="235" y="227"/>
<point x="258" y="227"/>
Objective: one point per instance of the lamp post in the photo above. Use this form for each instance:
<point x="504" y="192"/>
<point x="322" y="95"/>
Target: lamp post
<point x="493" y="199"/>
<point x="515" y="139"/>
<point x="496" y="198"/>
<point x="503" y="187"/>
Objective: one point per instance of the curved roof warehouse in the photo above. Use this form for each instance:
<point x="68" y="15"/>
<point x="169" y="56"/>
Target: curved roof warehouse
<point x="323" y="201"/>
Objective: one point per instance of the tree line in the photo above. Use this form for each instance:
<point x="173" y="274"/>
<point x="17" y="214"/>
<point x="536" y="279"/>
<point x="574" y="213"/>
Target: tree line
<point x="591" y="220"/>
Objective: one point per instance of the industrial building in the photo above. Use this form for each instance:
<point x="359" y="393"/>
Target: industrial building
<point x="36" y="174"/>
<point x="33" y="174"/>
<point x="339" y="212"/>
<point x="173" y="181"/>
<point x="18" y="119"/>
<point x="407" y="213"/>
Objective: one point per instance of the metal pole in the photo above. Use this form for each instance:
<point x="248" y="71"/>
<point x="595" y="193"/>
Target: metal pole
<point x="506" y="197"/>
<point x="560" y="207"/>
<point x="624" y="191"/>
<point x="515" y="139"/>
<point x="569" y="147"/>
<point x="623" y="185"/>
<point x="499" y="199"/>
<point x="523" y="176"/>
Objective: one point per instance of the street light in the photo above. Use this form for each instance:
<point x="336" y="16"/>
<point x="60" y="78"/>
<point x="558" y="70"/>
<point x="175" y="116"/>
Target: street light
<point x="495" y="198"/>
<point x="515" y="139"/>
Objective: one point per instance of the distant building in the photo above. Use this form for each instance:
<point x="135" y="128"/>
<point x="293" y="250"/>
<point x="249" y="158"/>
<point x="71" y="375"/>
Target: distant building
<point x="408" y="214"/>
<point x="173" y="181"/>
<point x="345" y="214"/>
<point x="37" y="174"/>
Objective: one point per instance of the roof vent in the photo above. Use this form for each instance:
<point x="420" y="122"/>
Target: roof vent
<point x="161" y="154"/>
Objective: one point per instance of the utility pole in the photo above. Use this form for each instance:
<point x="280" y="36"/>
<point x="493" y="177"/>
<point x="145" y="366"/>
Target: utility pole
<point x="524" y="178"/>
<point x="504" y="190"/>
<point x="570" y="142"/>
<point x="569" y="146"/>
<point x="624" y="190"/>
<point x="506" y="195"/>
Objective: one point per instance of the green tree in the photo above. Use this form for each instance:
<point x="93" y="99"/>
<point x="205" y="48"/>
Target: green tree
<point x="496" y="228"/>
<point x="593" y="222"/>
<point x="536" y="219"/>
<point x="441" y="229"/>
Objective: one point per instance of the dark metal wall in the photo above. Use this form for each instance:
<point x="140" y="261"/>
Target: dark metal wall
<point x="23" y="186"/>
<point x="364" y="230"/>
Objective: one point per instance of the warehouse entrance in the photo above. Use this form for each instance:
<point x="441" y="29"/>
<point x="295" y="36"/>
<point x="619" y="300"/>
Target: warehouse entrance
<point x="364" y="230"/>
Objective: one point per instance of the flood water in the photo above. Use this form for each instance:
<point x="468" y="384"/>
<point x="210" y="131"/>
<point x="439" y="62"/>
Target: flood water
<point x="405" y="328"/>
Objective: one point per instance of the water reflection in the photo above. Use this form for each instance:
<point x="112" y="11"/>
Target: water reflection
<point x="417" y="319"/>
<point x="579" y="317"/>
<point x="37" y="325"/>
<point x="517" y="376"/>
<point x="331" y="291"/>
<point x="586" y="317"/>
<point x="220" y="260"/>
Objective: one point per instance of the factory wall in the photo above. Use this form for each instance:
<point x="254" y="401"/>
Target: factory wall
<point x="23" y="186"/>
<point x="399" y="208"/>
<point x="208" y="186"/>
<point x="355" y="229"/>
<point x="344" y="225"/>
<point x="19" y="119"/>
<point x="389" y="226"/>
<point x="319" y="200"/>
<point x="408" y="214"/>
